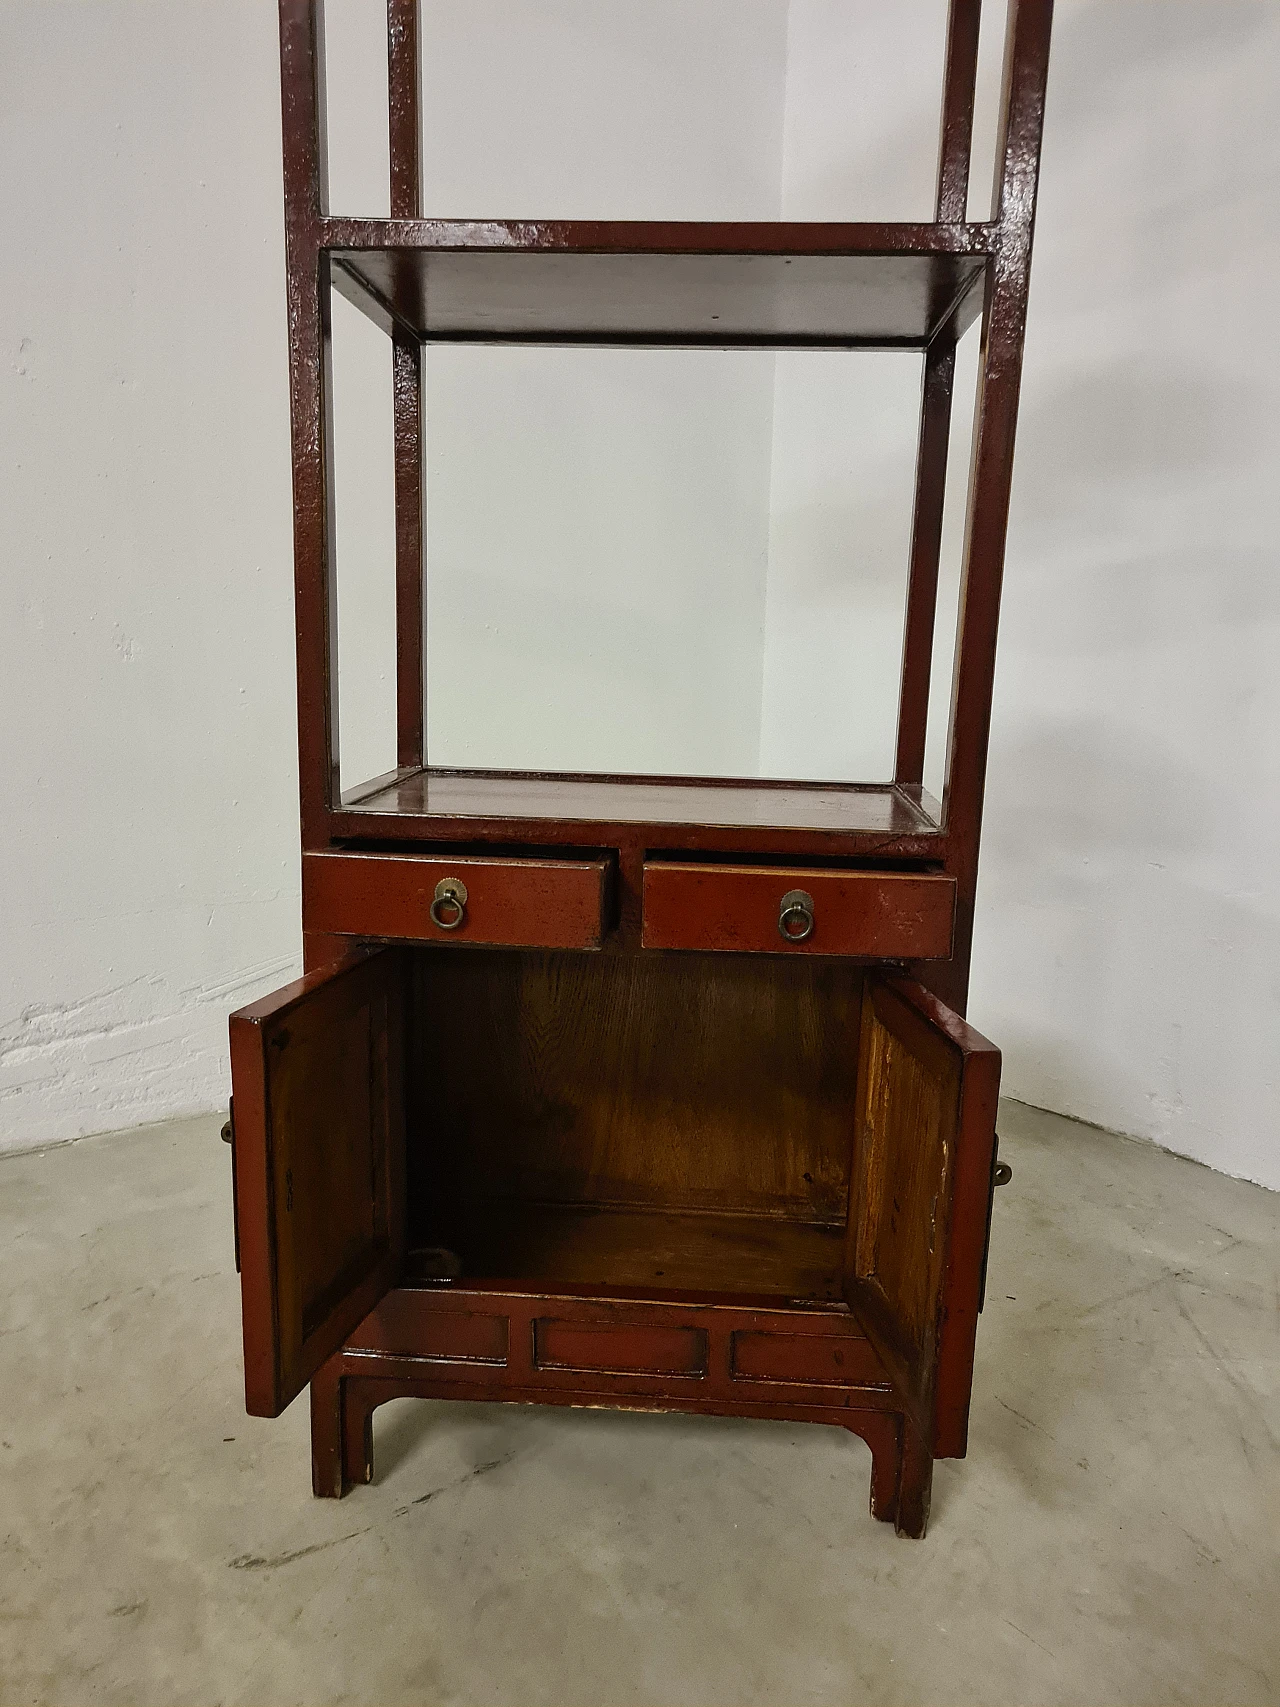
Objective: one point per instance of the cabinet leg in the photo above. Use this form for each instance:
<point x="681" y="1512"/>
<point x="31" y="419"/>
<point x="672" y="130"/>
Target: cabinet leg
<point x="327" y="1480"/>
<point x="881" y="1432"/>
<point x="915" y="1484"/>
<point x="901" y="1473"/>
<point x="341" y="1431"/>
<point x="357" y="1431"/>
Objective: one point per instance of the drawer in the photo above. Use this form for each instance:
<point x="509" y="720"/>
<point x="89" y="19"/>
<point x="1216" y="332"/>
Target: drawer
<point x="880" y="915"/>
<point x="518" y="903"/>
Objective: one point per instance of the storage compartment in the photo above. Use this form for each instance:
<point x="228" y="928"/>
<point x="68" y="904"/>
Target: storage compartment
<point x="708" y="1134"/>
<point x="633" y="1121"/>
<point x="875" y="915"/>
<point x="664" y="1250"/>
<point x="637" y="1082"/>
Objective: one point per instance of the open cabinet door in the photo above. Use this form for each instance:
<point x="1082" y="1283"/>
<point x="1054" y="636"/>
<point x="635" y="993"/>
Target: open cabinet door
<point x="317" y="1073"/>
<point x="920" y="1195"/>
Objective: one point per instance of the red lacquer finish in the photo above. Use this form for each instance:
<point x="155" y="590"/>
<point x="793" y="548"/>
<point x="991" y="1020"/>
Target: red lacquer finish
<point x="740" y="909"/>
<point x="531" y="903"/>
<point x="603" y="1133"/>
<point x="318" y="1084"/>
<point x="406" y="394"/>
<point x="719" y="1358"/>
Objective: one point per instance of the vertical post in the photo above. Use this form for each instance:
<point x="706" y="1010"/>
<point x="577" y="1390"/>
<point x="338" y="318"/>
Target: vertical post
<point x="954" y="145"/>
<point x="1003" y="328"/>
<point x="406" y="367"/>
<point x="926" y="548"/>
<point x="955" y="140"/>
<point x="307" y="274"/>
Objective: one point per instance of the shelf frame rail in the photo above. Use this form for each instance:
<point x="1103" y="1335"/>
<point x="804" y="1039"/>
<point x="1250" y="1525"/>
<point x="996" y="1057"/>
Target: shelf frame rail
<point x="1005" y="243"/>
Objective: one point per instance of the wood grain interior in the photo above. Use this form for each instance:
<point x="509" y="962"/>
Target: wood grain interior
<point x="668" y="1082"/>
<point x="666" y="1250"/>
<point x="903" y="1182"/>
<point x="331" y="1087"/>
<point x="320" y="1076"/>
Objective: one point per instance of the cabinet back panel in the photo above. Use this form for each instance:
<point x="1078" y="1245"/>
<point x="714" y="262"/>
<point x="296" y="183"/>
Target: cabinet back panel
<point x="693" y="1081"/>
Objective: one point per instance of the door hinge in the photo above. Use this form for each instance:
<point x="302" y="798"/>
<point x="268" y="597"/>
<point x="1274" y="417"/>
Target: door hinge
<point x="1001" y="1174"/>
<point x="229" y="1137"/>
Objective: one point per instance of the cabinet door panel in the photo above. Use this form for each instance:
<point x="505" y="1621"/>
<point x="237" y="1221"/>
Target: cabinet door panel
<point x="924" y="1128"/>
<point x="317" y="1071"/>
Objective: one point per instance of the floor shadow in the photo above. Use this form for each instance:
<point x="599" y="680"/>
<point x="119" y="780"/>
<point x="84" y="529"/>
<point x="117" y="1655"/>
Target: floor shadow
<point x="399" y="1428"/>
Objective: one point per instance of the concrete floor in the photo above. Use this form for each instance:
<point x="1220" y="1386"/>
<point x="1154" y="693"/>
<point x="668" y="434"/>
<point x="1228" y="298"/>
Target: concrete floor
<point x="1112" y="1537"/>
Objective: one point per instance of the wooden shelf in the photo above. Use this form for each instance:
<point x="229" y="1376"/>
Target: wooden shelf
<point x="639" y="283"/>
<point x="527" y="806"/>
<point x="649" y="1250"/>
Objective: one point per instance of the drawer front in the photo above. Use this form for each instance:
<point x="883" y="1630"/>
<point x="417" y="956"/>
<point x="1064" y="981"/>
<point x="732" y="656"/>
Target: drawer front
<point x="879" y="915"/>
<point x="516" y="903"/>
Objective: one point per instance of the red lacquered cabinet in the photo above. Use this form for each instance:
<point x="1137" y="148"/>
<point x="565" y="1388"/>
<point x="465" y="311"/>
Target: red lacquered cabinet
<point x="635" y="1091"/>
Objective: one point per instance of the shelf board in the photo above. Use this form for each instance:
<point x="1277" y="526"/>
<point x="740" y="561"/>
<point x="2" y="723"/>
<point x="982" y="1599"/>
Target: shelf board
<point x="667" y="1250"/>
<point x="682" y="284"/>
<point x="526" y="805"/>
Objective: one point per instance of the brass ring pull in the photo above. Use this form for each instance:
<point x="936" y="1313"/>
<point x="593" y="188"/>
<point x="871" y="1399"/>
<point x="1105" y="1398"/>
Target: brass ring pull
<point x="795" y="916"/>
<point x="450" y="896"/>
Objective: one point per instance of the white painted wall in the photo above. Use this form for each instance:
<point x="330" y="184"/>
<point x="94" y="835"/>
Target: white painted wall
<point x="1128" y="933"/>
<point x="1128" y="927"/>
<point x="575" y="498"/>
<point x="864" y="82"/>
<point x="1127" y="930"/>
<point x="844" y="425"/>
<point x="148" y="873"/>
<point x="599" y="519"/>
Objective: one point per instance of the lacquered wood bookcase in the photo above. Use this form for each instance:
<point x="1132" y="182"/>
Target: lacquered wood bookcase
<point x="643" y="1092"/>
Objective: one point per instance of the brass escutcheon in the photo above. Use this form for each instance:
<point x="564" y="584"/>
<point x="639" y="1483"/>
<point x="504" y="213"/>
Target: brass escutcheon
<point x="795" y="916"/>
<point x="451" y="895"/>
